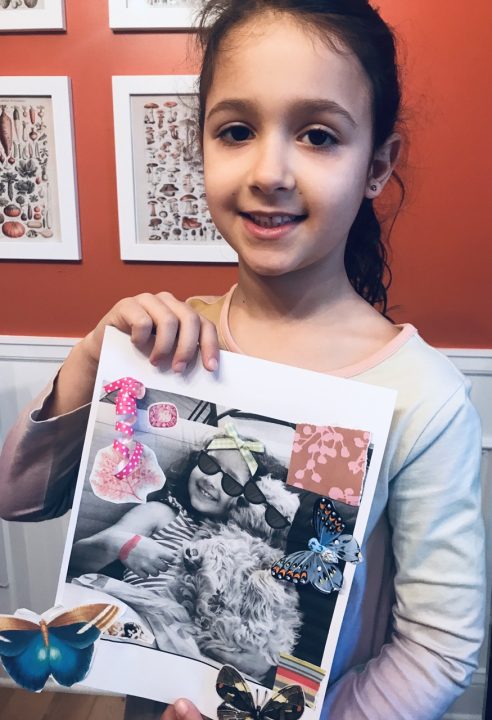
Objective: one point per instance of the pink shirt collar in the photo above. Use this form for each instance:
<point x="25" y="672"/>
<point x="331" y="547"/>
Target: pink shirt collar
<point x="406" y="332"/>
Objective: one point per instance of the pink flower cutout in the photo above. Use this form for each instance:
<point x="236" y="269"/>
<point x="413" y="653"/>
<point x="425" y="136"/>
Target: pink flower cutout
<point x="147" y="478"/>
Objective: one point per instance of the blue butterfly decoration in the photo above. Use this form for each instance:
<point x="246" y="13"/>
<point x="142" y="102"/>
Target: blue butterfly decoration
<point x="318" y="564"/>
<point x="62" y="647"/>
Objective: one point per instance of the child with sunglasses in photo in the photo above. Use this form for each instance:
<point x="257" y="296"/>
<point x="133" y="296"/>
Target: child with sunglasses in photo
<point x="204" y="547"/>
<point x="218" y="483"/>
<point x="299" y="109"/>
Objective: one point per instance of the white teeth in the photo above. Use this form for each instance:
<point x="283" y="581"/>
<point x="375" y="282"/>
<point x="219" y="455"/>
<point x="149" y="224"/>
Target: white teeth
<point x="206" y="493"/>
<point x="272" y="220"/>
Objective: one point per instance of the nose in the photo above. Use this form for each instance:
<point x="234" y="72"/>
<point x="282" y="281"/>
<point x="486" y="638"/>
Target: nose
<point x="271" y="169"/>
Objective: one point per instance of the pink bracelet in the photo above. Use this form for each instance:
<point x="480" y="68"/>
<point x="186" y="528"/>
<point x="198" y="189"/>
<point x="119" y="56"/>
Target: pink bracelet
<point x="128" y="547"/>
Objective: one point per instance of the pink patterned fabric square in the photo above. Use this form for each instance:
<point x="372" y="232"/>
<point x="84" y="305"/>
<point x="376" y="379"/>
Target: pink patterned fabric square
<point x="163" y="415"/>
<point x="329" y="461"/>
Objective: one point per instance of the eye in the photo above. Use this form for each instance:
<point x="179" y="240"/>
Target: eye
<point x="319" y="137"/>
<point x="235" y="134"/>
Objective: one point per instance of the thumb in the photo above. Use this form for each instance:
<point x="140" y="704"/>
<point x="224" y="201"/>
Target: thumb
<point x="185" y="710"/>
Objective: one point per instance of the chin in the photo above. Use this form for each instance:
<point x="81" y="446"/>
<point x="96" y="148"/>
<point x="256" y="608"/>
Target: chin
<point x="272" y="270"/>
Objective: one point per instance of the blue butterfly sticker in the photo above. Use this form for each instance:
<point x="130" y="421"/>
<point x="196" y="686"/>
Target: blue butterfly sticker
<point x="318" y="564"/>
<point x="63" y="647"/>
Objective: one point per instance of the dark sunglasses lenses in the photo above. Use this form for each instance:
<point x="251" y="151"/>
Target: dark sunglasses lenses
<point x="274" y="518"/>
<point x="210" y="466"/>
<point x="252" y="492"/>
<point x="230" y="486"/>
<point x="207" y="464"/>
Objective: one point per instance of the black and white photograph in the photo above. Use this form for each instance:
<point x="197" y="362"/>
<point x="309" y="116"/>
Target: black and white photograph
<point x="199" y="579"/>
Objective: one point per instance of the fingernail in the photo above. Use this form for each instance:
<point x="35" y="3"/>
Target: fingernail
<point x="179" y="367"/>
<point x="212" y="364"/>
<point x="181" y="709"/>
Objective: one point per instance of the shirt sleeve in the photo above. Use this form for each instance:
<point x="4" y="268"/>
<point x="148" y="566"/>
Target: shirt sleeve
<point x="438" y="543"/>
<point x="39" y="462"/>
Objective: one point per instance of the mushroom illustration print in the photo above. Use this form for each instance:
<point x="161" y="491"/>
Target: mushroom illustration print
<point x="170" y="195"/>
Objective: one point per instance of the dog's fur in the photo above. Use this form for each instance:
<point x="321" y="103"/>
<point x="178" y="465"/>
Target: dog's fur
<point x="238" y="612"/>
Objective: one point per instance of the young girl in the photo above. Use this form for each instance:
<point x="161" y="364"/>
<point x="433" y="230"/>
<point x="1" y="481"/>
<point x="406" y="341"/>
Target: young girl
<point x="299" y="102"/>
<point x="229" y="501"/>
<point x="212" y="484"/>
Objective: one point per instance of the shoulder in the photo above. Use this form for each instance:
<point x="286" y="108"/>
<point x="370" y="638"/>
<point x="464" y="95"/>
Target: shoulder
<point x="432" y="398"/>
<point x="155" y="514"/>
<point x="421" y="374"/>
<point x="210" y="306"/>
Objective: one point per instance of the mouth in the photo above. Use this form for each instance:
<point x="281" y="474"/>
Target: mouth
<point x="205" y="490"/>
<point x="273" y="220"/>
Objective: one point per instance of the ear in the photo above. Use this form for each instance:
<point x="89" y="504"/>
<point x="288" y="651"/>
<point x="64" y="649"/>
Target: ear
<point x="382" y="165"/>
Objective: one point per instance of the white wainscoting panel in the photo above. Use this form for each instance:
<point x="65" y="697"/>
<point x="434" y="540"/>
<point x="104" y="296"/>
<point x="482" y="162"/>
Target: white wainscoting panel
<point x="30" y="553"/>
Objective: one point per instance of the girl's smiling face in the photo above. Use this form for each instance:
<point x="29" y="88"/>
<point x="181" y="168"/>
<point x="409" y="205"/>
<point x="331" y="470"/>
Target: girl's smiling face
<point x="205" y="491"/>
<point x="287" y="146"/>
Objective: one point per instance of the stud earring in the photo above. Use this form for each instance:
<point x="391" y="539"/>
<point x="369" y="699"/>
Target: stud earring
<point x="374" y="187"/>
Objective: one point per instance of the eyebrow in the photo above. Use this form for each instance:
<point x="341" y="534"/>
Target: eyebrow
<point x="310" y="105"/>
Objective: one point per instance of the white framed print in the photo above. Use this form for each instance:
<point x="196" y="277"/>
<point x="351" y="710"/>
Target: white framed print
<point x="162" y="208"/>
<point x="152" y="14"/>
<point x="32" y="15"/>
<point x="38" y="189"/>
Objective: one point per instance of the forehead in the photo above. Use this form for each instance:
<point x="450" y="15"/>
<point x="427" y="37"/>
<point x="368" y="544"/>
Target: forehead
<point x="273" y="59"/>
<point x="231" y="461"/>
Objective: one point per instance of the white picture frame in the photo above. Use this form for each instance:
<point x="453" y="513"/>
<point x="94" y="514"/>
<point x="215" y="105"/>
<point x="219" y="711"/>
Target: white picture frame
<point x="137" y="145"/>
<point x="143" y="15"/>
<point x="38" y="173"/>
<point x="47" y="15"/>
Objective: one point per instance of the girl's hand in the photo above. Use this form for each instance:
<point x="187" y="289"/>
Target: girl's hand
<point x="179" y="330"/>
<point x="181" y="710"/>
<point x="148" y="558"/>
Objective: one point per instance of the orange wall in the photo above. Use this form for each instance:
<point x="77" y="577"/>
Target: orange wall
<point x="441" y="243"/>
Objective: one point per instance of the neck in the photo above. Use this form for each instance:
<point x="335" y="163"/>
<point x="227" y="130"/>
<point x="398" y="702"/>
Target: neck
<point x="305" y="294"/>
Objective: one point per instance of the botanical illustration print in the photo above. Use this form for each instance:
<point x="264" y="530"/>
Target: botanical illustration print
<point x="28" y="185"/>
<point x="330" y="461"/>
<point x="169" y="187"/>
<point x="21" y="4"/>
<point x="161" y="3"/>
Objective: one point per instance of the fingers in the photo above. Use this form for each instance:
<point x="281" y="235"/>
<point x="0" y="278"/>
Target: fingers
<point x="186" y="333"/>
<point x="181" y="710"/>
<point x="179" y="330"/>
<point x="192" y="331"/>
<point x="209" y="345"/>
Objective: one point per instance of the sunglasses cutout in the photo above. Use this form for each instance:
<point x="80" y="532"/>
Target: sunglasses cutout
<point x="209" y="465"/>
